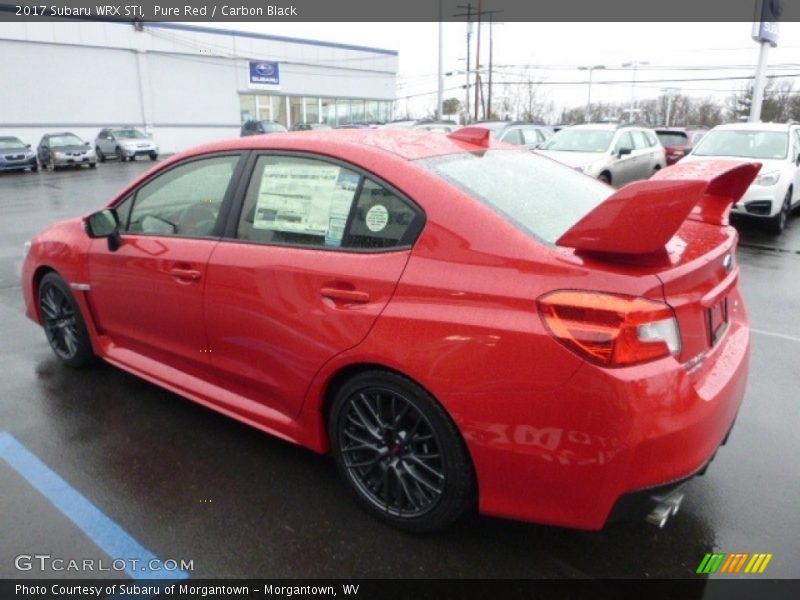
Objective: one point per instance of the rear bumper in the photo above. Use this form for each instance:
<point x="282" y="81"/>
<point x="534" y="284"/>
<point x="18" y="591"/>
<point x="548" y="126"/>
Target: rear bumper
<point x="611" y="433"/>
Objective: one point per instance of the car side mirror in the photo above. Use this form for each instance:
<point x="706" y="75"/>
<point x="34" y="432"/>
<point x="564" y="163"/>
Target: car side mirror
<point x="27" y="145"/>
<point x="623" y="152"/>
<point x="797" y="162"/>
<point x="105" y="224"/>
<point x="85" y="143"/>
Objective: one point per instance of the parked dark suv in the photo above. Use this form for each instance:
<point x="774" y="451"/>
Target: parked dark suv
<point x="261" y="127"/>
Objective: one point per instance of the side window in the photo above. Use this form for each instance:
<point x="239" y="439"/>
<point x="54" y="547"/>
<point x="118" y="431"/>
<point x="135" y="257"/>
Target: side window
<point x="124" y="212"/>
<point x="310" y="202"/>
<point x="512" y="136"/>
<point x="652" y="140"/>
<point x="639" y="141"/>
<point x="531" y="136"/>
<point x="185" y="200"/>
<point x="293" y="200"/>
<point x="624" y="141"/>
<point x="381" y="220"/>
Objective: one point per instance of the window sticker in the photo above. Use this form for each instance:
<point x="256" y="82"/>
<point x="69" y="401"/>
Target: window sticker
<point x="377" y="218"/>
<point x="298" y="198"/>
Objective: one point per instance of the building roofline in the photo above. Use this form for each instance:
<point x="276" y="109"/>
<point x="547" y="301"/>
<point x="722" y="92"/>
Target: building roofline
<point x="266" y="36"/>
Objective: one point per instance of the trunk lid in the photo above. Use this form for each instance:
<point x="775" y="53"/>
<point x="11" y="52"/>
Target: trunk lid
<point x="675" y="227"/>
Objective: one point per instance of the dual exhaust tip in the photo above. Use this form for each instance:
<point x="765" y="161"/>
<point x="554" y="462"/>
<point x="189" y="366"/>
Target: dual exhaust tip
<point x="666" y="506"/>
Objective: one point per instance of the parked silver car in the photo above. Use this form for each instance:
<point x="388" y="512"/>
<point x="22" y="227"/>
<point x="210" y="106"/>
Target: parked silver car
<point x="124" y="144"/>
<point x="616" y="154"/>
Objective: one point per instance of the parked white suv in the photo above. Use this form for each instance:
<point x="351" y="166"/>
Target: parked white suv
<point x="776" y="190"/>
<point x="616" y="154"/>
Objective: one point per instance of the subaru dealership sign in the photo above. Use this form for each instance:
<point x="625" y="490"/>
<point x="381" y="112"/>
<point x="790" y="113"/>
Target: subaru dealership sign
<point x="264" y="75"/>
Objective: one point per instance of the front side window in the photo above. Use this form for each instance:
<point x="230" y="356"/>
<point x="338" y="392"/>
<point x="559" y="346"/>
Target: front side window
<point x="624" y="142"/>
<point x="310" y="202"/>
<point x="532" y="136"/>
<point x="639" y="141"/>
<point x="185" y="200"/>
<point x="512" y="136"/>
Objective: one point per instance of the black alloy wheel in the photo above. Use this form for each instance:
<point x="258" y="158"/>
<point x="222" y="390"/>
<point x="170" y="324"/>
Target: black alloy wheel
<point x="63" y="323"/>
<point x="400" y="452"/>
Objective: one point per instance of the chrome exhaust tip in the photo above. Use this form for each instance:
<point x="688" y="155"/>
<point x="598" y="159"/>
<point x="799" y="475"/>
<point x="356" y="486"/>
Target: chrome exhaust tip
<point x="666" y="507"/>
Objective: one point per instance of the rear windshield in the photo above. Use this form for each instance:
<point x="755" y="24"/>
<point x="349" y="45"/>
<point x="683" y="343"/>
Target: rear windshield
<point x="673" y="138"/>
<point x="540" y="196"/>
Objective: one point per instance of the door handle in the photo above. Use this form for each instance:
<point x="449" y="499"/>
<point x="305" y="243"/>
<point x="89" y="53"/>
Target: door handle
<point x="184" y="275"/>
<point x="344" y="295"/>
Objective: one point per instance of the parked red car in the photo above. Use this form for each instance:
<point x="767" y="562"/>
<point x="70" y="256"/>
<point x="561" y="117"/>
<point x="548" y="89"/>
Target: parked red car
<point x="457" y="321"/>
<point x="678" y="142"/>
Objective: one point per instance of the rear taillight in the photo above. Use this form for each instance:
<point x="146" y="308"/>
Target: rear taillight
<point x="609" y="329"/>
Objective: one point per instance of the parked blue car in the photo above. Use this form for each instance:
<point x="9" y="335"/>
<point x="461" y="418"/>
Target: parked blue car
<point x="16" y="156"/>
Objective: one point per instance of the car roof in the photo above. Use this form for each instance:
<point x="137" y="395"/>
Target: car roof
<point x="409" y="144"/>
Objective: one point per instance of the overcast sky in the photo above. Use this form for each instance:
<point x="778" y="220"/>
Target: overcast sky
<point x="555" y="50"/>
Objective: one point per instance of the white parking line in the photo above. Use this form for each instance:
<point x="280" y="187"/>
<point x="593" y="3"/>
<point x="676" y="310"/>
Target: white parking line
<point x="783" y="336"/>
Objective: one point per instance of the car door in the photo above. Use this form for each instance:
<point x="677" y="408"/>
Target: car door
<point x="108" y="143"/>
<point x="147" y="295"/>
<point x="43" y="151"/>
<point x="622" y="165"/>
<point x="302" y="275"/>
<point x="795" y="158"/>
<point x="642" y="162"/>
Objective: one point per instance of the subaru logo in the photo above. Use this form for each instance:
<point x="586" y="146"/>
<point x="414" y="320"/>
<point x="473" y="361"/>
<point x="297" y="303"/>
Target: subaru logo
<point x="727" y="262"/>
<point x="265" y="69"/>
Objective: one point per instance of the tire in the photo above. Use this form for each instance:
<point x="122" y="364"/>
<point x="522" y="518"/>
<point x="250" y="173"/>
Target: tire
<point x="93" y="165"/>
<point x="778" y="223"/>
<point x="35" y="168"/>
<point x="100" y="156"/>
<point x="63" y="323"/>
<point x="400" y="453"/>
<point x="120" y="155"/>
<point x="605" y="177"/>
<point x="51" y="165"/>
<point x="153" y="156"/>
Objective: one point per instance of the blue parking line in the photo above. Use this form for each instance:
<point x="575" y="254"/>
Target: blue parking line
<point x="104" y="532"/>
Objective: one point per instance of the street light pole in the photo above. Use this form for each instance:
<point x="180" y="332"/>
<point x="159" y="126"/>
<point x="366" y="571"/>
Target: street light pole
<point x="635" y="64"/>
<point x="587" y="116"/>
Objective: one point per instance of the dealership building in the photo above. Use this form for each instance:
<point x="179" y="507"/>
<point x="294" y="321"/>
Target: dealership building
<point x="182" y="83"/>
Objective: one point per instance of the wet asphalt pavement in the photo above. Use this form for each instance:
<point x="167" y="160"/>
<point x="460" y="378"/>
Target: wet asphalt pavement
<point x="188" y="483"/>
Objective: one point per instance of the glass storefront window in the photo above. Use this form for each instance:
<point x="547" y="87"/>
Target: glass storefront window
<point x="312" y="110"/>
<point x="334" y="111"/>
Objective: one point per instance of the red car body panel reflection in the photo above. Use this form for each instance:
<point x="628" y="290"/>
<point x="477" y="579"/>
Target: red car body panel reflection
<point x="263" y="331"/>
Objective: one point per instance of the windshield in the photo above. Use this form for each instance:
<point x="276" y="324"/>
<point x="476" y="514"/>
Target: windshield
<point x="538" y="195"/>
<point x="744" y="144"/>
<point x="133" y="134"/>
<point x="673" y="138"/>
<point x="11" y="142"/>
<point x="580" y="140"/>
<point x="66" y="139"/>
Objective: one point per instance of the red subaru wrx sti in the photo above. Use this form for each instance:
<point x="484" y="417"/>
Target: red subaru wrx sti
<point x="456" y="320"/>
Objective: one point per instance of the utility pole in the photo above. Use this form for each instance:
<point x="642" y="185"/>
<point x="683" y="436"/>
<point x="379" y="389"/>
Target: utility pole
<point x="670" y="94"/>
<point x="478" y="60"/>
<point x="491" y="14"/>
<point x="468" y="15"/>
<point x="765" y="31"/>
<point x="635" y="64"/>
<point x="587" y="117"/>
<point x="440" y="90"/>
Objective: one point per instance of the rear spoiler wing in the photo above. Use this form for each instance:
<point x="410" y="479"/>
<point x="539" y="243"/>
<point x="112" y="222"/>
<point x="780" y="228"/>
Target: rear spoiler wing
<point x="643" y="216"/>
